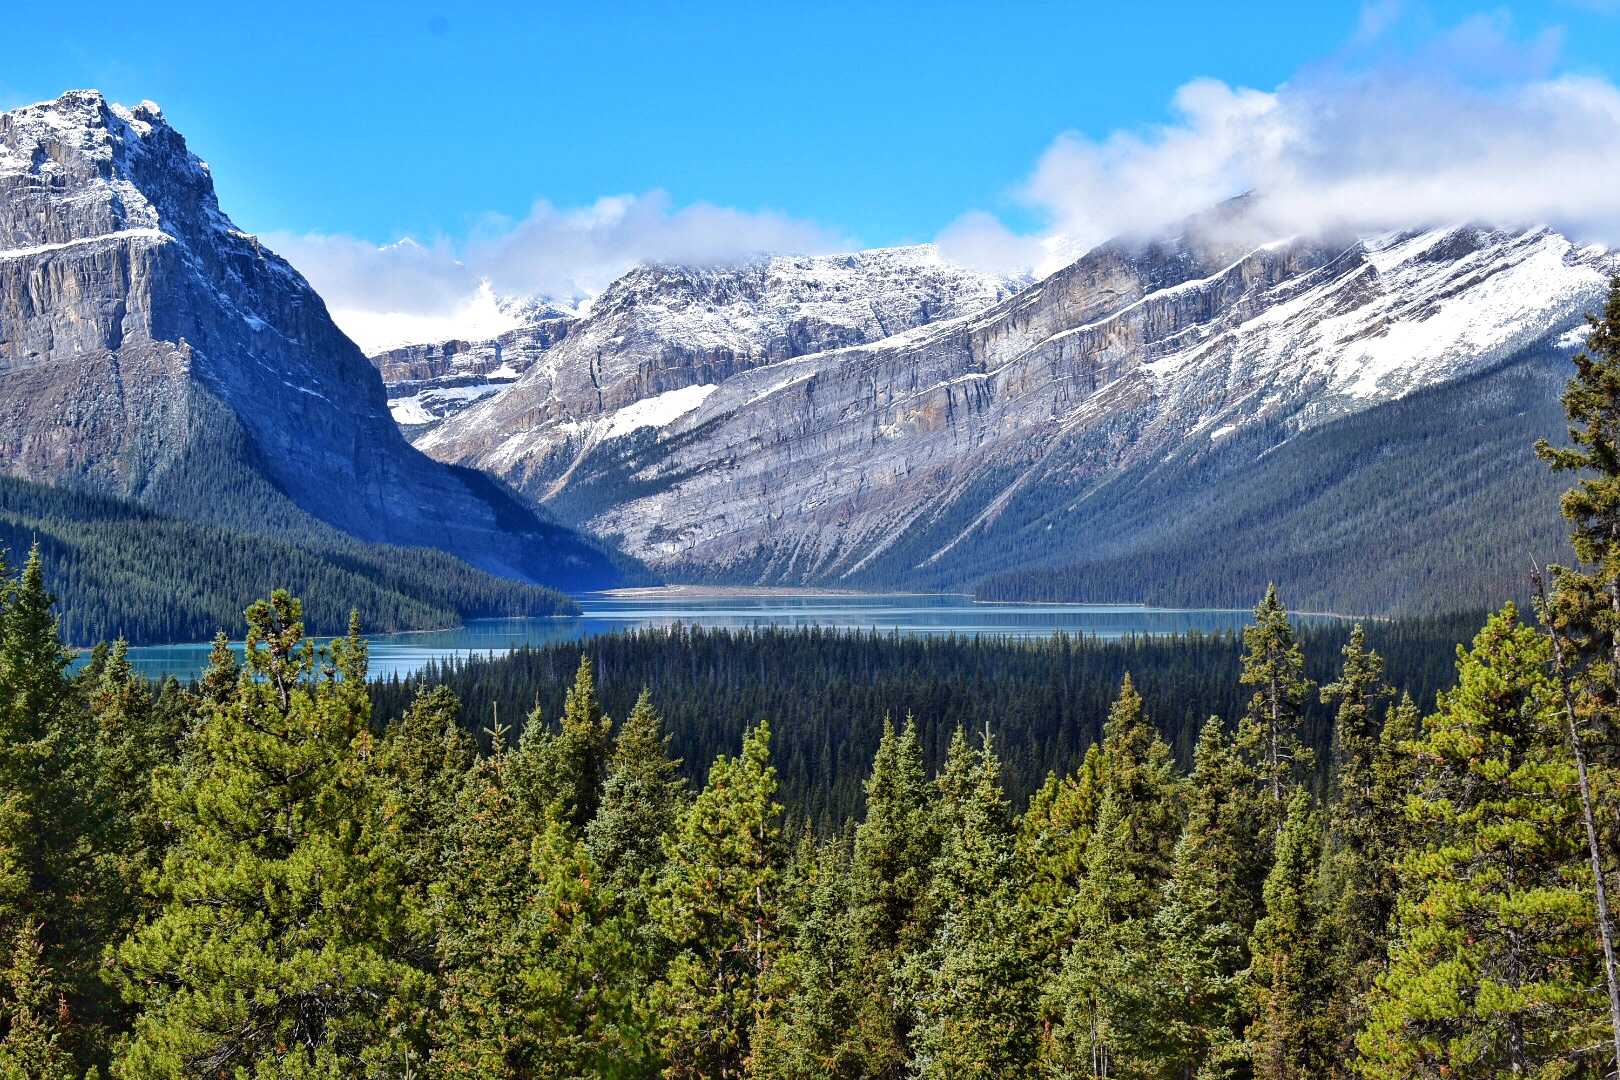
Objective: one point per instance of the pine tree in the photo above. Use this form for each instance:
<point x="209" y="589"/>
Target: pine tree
<point x="1357" y="875"/>
<point x="824" y="1024"/>
<point x="1100" y="1033"/>
<point x="895" y="847"/>
<point x="1495" y="968"/>
<point x="1583" y="613"/>
<point x="1184" y="991"/>
<point x="1106" y="918"/>
<point x="1290" y="975"/>
<point x="33" y="1015"/>
<point x="719" y="906"/>
<point x="272" y="949"/>
<point x="1139" y="775"/>
<point x="977" y="986"/>
<point x="564" y="769"/>
<point x="1269" y="733"/>
<point x="641" y="799"/>
<point x="423" y="760"/>
<point x="535" y="959"/>
<point x="47" y="880"/>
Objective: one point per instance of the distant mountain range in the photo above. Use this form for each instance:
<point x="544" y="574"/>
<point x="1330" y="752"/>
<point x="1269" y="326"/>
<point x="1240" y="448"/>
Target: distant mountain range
<point x="1144" y="419"/>
<point x="1177" y="418"/>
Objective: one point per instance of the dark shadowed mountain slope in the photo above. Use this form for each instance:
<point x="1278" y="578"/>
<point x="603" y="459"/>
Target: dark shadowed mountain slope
<point x="151" y="350"/>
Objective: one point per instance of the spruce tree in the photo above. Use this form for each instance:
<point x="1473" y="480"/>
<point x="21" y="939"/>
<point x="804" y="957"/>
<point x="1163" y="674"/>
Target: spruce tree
<point x="1357" y="876"/>
<point x="1101" y="1033"/>
<point x="823" y="1023"/>
<point x="719" y="906"/>
<point x="423" y="760"/>
<point x="1269" y="732"/>
<point x="895" y="847"/>
<point x="1290" y="975"/>
<point x="33" y="1015"/>
<point x="47" y="808"/>
<point x="562" y="771"/>
<point x="1139" y="775"/>
<point x="1494" y="968"/>
<point x="977" y="985"/>
<point x="641" y="799"/>
<point x="534" y="957"/>
<point x="1185" y="989"/>
<point x="272" y="949"/>
<point x="1583" y="612"/>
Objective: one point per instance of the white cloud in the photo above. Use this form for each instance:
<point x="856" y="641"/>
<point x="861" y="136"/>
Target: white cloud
<point x="1471" y="128"/>
<point x="407" y="292"/>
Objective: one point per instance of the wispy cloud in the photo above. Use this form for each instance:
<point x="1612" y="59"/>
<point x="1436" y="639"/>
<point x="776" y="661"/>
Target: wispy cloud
<point x="411" y="292"/>
<point x="1471" y="125"/>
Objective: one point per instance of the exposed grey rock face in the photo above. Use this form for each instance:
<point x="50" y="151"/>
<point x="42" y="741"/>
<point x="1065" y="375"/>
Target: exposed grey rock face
<point x="915" y="457"/>
<point x="145" y="341"/>
<point x="666" y="328"/>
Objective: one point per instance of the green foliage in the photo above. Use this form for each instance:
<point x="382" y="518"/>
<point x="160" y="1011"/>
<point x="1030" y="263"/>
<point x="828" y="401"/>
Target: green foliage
<point x="977" y="986"/>
<point x="536" y="962"/>
<point x="271" y="950"/>
<point x="641" y="798"/>
<point x="1269" y="730"/>
<point x="720" y="904"/>
<point x="34" y="1015"/>
<point x="1290" y="973"/>
<point x="127" y="571"/>
<point x="1494" y="966"/>
<point x="827" y="692"/>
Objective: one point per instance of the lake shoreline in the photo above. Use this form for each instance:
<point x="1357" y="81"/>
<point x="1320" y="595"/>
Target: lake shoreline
<point x="742" y="592"/>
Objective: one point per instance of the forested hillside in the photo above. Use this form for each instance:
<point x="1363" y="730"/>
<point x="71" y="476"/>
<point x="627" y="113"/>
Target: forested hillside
<point x="827" y="693"/>
<point x="258" y="877"/>
<point x="124" y="570"/>
<point x="1352" y="516"/>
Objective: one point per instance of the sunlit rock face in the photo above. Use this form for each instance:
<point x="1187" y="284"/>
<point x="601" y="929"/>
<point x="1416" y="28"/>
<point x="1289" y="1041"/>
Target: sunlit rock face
<point x="149" y="348"/>
<point x="835" y="443"/>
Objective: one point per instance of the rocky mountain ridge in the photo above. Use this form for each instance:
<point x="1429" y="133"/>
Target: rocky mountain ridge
<point x="709" y="320"/>
<point x="948" y="451"/>
<point x="152" y="350"/>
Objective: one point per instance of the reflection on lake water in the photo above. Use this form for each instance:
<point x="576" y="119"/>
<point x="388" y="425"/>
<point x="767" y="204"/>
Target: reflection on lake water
<point x="903" y="613"/>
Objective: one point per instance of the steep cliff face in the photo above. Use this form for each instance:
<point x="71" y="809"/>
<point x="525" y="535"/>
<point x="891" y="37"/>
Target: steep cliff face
<point x="151" y="349"/>
<point x="662" y="329"/>
<point x="947" y="451"/>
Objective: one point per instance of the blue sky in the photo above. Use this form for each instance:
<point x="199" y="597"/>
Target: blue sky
<point x="486" y="131"/>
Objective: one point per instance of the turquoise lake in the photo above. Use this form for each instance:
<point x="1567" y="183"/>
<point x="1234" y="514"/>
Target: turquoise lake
<point x="903" y="613"/>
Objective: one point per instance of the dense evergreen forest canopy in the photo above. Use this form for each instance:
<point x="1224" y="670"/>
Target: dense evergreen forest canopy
<point x="827" y="693"/>
<point x="285" y="871"/>
<point x="122" y="570"/>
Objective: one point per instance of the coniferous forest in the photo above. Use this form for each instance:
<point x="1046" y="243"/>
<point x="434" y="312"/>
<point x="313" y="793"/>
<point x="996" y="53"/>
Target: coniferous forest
<point x="285" y="871"/>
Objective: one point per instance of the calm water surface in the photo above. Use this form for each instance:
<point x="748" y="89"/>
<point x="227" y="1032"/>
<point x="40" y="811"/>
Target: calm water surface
<point x="906" y="613"/>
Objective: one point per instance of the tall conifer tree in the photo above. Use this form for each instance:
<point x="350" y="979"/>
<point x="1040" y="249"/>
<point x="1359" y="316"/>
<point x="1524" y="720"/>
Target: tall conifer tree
<point x="1269" y="731"/>
<point x="895" y="849"/>
<point x="1583" y="613"/>
<point x="720" y="907"/>
<point x="977" y="983"/>
<point x="272" y="949"/>
<point x="1495" y="969"/>
<point x="1290" y="975"/>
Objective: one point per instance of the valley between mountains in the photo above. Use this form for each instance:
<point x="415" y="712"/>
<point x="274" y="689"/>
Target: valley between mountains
<point x="1174" y="419"/>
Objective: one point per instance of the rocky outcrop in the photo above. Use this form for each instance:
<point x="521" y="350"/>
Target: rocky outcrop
<point x="660" y="329"/>
<point x="937" y="454"/>
<point x="145" y="341"/>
